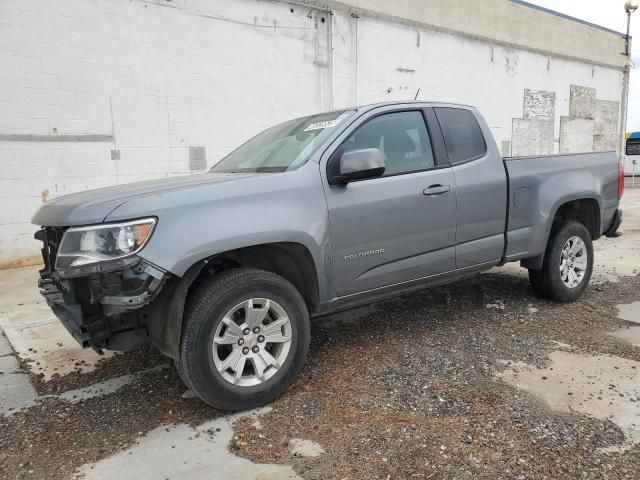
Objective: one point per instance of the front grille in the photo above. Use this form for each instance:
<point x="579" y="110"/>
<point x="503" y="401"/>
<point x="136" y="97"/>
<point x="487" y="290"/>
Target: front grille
<point x="51" y="238"/>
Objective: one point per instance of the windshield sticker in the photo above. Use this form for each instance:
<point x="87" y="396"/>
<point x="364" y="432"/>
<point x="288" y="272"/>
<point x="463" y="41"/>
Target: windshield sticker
<point x="323" y="125"/>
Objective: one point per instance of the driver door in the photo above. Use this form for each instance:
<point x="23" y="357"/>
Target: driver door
<point x="400" y="226"/>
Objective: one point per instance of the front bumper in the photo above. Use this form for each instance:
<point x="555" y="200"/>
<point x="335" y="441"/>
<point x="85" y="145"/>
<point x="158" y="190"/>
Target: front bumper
<point x="68" y="310"/>
<point x="102" y="306"/>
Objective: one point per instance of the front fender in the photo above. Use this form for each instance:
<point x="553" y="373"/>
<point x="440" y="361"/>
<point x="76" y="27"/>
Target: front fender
<point x="202" y="222"/>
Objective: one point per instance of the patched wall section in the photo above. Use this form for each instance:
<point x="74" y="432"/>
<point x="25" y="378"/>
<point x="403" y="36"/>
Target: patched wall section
<point x="533" y="134"/>
<point x="539" y="105"/>
<point x="582" y="102"/>
<point x="576" y="135"/>
<point x="592" y="124"/>
<point x="605" y="127"/>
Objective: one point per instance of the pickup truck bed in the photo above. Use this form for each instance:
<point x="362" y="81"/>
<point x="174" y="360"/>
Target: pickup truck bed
<point x="540" y="185"/>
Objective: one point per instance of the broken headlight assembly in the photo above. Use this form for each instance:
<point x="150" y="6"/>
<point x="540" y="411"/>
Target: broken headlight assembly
<point x="98" y="243"/>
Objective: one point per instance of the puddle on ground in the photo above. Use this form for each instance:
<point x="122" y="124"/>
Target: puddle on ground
<point x="301" y="447"/>
<point x="616" y="258"/>
<point x="631" y="313"/>
<point x="603" y="386"/>
<point x="629" y="334"/>
<point x="181" y="451"/>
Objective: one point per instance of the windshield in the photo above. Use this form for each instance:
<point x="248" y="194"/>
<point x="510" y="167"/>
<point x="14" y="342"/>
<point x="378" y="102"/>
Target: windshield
<point x="283" y="147"/>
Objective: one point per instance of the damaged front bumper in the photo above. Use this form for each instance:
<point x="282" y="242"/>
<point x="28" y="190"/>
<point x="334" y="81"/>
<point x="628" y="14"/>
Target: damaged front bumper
<point x="102" y="305"/>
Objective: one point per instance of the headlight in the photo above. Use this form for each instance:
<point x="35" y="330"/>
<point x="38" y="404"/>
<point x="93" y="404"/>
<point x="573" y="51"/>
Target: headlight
<point x="85" y="245"/>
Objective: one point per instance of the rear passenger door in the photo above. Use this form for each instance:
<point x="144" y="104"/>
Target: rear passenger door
<point x="481" y="185"/>
<point x="401" y="226"/>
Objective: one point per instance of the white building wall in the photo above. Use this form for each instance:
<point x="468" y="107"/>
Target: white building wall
<point x="396" y="60"/>
<point x="98" y="92"/>
<point x="149" y="82"/>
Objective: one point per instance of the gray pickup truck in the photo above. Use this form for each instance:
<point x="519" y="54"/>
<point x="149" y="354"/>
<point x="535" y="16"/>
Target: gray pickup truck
<point x="222" y="271"/>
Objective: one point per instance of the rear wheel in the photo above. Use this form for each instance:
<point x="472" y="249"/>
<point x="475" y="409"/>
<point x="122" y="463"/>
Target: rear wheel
<point x="245" y="339"/>
<point x="568" y="264"/>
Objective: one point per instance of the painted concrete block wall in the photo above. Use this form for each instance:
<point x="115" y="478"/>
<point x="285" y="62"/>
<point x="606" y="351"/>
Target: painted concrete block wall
<point x="522" y="94"/>
<point x="505" y="22"/>
<point x="172" y="87"/>
<point x="99" y="92"/>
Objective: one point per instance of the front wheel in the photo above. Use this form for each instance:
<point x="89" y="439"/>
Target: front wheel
<point x="245" y="339"/>
<point x="567" y="266"/>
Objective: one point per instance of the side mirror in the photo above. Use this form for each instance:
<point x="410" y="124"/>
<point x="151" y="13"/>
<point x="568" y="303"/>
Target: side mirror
<point x="358" y="164"/>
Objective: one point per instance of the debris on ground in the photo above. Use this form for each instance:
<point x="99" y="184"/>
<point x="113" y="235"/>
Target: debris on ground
<point x="408" y="387"/>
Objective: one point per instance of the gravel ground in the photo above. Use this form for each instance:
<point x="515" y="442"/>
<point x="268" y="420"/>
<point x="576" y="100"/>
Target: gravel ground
<point x="405" y="390"/>
<point x="409" y="390"/>
<point x="115" y="366"/>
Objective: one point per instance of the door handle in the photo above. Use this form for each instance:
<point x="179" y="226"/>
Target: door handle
<point x="436" y="189"/>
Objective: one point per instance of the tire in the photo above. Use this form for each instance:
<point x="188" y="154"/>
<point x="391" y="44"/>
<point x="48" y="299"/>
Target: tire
<point x="548" y="282"/>
<point x="213" y="310"/>
<point x="181" y="376"/>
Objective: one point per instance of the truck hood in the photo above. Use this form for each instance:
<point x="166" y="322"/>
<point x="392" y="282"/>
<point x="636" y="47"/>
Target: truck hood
<point x="93" y="206"/>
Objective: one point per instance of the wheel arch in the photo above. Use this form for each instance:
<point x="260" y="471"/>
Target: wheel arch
<point x="290" y="260"/>
<point x="583" y="210"/>
<point x="586" y="210"/>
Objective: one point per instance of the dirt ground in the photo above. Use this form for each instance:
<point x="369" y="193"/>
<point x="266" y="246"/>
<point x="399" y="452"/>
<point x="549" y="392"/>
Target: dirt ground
<point x="479" y="379"/>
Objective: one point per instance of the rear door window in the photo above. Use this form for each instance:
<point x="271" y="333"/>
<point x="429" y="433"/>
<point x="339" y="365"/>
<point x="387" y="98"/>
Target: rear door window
<point x="462" y="134"/>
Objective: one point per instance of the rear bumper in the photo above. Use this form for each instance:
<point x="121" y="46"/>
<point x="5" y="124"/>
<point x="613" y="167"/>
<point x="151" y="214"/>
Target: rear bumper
<point x="615" y="225"/>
